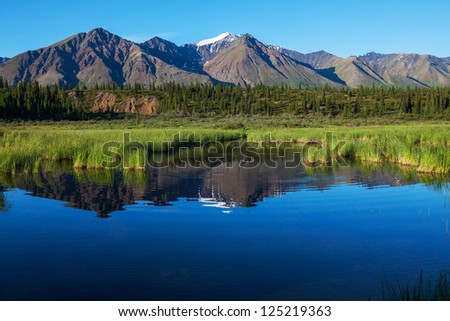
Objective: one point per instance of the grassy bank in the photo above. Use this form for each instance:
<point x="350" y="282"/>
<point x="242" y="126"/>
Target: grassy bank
<point x="30" y="149"/>
<point x="424" y="147"/>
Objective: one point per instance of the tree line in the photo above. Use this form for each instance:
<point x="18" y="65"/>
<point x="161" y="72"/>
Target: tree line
<point x="33" y="101"/>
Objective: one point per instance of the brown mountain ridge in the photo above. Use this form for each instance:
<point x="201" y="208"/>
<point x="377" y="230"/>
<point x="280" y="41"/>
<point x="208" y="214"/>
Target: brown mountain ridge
<point x="100" y="57"/>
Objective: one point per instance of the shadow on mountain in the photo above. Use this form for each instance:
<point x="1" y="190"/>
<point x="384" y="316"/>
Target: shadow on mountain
<point x="183" y="57"/>
<point x="421" y="84"/>
<point x="330" y="73"/>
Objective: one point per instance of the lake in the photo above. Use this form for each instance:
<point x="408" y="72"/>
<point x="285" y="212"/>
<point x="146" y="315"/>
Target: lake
<point x="220" y="233"/>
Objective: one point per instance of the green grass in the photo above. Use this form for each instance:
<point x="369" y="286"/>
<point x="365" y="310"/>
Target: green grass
<point x="172" y="121"/>
<point x="424" y="147"/>
<point x="419" y="290"/>
<point x="28" y="149"/>
<point x="421" y="146"/>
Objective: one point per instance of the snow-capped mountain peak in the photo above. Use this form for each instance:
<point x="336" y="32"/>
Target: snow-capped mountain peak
<point x="209" y="48"/>
<point x="224" y="36"/>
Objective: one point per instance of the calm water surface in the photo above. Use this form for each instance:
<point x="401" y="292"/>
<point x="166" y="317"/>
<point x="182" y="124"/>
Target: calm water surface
<point x="220" y="233"/>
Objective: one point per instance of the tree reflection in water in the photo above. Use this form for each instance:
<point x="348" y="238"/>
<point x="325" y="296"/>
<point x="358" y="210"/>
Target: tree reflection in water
<point x="224" y="186"/>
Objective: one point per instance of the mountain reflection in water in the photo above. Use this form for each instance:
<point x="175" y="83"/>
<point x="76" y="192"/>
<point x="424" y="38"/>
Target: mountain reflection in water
<point x="224" y="186"/>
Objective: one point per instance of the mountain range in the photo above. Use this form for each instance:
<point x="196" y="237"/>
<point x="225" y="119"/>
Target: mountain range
<point x="99" y="57"/>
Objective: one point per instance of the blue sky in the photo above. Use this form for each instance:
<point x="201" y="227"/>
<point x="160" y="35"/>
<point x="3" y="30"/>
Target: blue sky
<point x="342" y="27"/>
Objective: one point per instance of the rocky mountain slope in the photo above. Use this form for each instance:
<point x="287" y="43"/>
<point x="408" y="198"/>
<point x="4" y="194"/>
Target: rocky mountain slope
<point x="249" y="62"/>
<point x="96" y="57"/>
<point x="184" y="57"/>
<point x="378" y="69"/>
<point x="409" y="69"/>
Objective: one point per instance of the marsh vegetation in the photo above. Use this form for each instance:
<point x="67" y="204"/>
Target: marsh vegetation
<point x="424" y="147"/>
